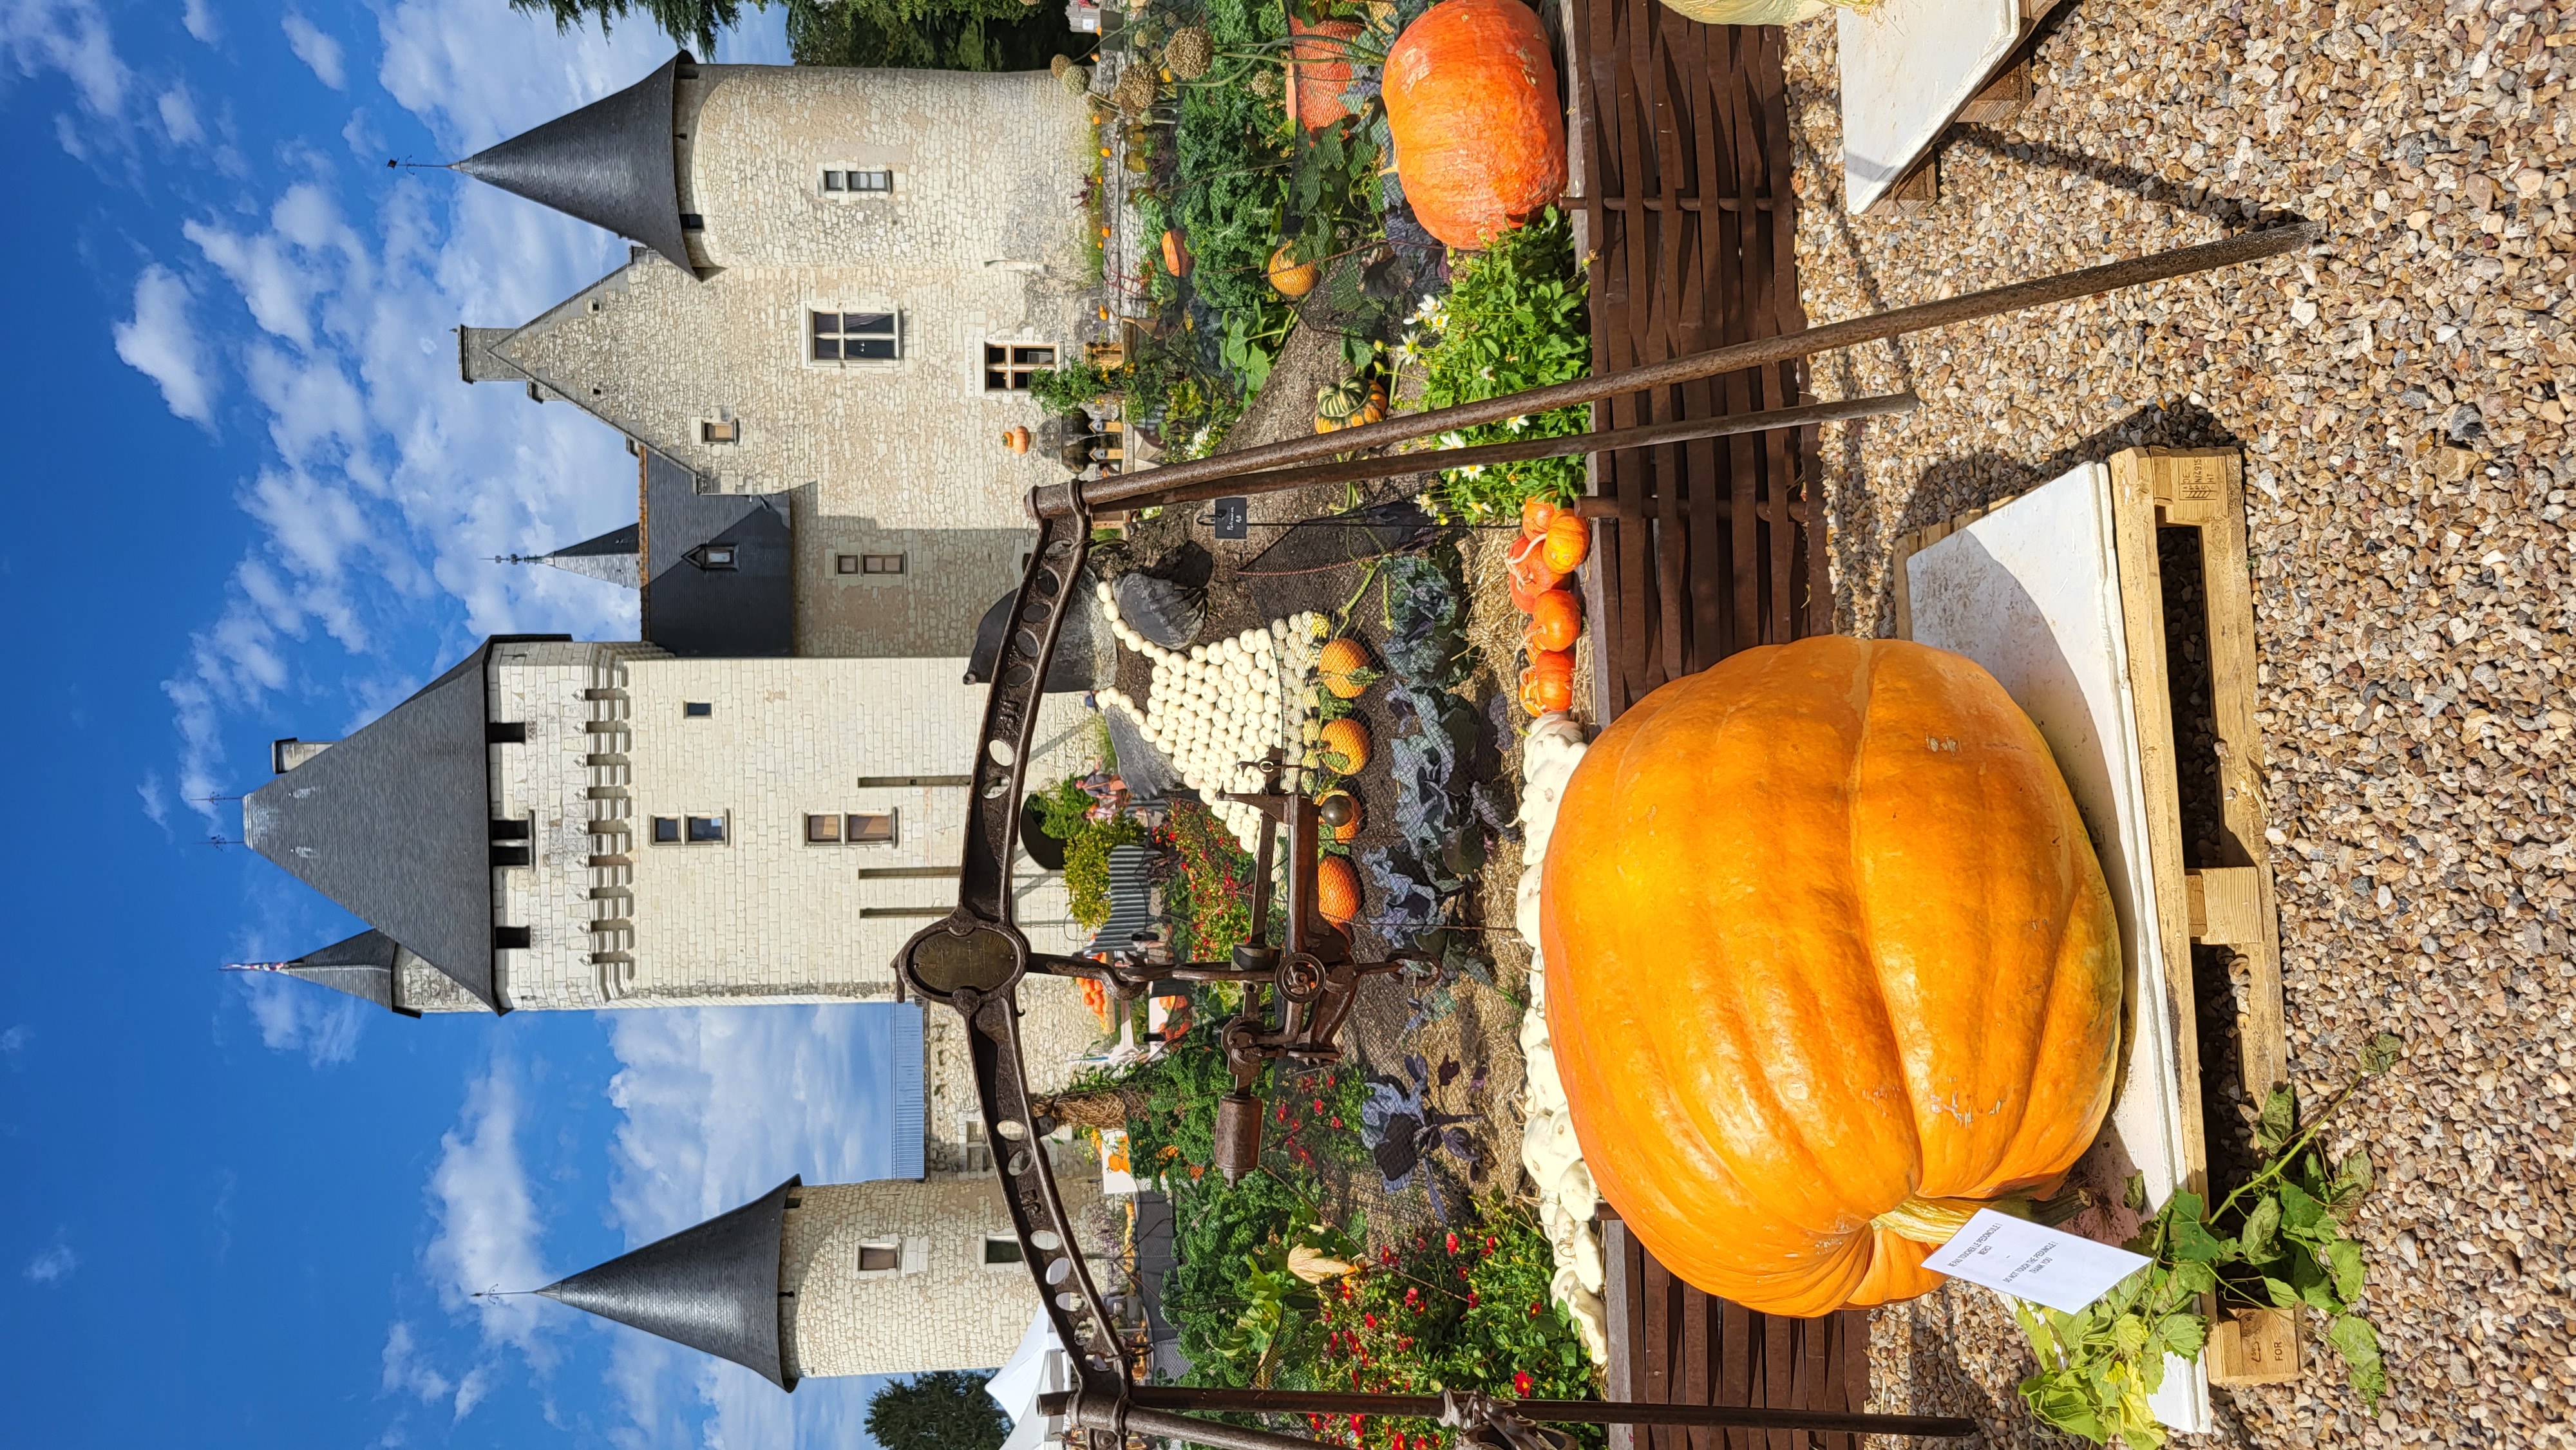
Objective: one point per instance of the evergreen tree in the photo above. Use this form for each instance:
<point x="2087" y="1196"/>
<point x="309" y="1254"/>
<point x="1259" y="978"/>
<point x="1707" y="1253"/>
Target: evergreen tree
<point x="690" y="22"/>
<point x="943" y="1410"/>
<point x="915" y="34"/>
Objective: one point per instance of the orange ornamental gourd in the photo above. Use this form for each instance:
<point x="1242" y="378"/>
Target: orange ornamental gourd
<point x="1537" y="512"/>
<point x="1290" y="277"/>
<point x="1568" y="540"/>
<point x="1525" y="565"/>
<point x="1556" y="621"/>
<point x="1345" y="669"/>
<point x="1471" y="102"/>
<point x="1345" y="745"/>
<point x="1548" y="683"/>
<point x="1830" y="966"/>
<point x="1176" y="254"/>
<point x="1337" y="890"/>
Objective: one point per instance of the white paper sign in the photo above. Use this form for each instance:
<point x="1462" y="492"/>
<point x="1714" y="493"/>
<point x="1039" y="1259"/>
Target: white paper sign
<point x="2015" y="1256"/>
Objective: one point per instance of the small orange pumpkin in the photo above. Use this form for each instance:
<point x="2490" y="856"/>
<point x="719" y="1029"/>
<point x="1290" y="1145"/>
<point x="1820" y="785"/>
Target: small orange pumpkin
<point x="1556" y="620"/>
<point x="1548" y="683"/>
<point x="1348" y="739"/>
<point x="1886" y="977"/>
<point x="1526" y="565"/>
<point x="1569" y="539"/>
<point x="1537" y="512"/>
<point x="1479" y="135"/>
<point x="1337" y="890"/>
<point x="1344" y="668"/>
<point x="1176" y="254"/>
<point x="1291" y="277"/>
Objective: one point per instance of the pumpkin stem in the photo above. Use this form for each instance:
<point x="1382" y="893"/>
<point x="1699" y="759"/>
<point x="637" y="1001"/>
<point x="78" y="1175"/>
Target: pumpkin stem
<point x="1935" y="1221"/>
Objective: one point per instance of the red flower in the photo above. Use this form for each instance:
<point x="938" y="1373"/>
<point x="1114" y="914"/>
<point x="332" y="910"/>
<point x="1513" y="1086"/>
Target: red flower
<point x="1371" y="1320"/>
<point x="1535" y="1310"/>
<point x="1471" y="1295"/>
<point x="1319" y="1105"/>
<point x="1453" y="1243"/>
<point x="1355" y="1424"/>
<point x="1521" y="1384"/>
<point x="1337" y="1122"/>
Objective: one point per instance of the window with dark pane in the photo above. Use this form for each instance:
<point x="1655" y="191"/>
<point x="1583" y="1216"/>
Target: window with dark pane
<point x="706" y="830"/>
<point x="666" y="830"/>
<point x="854" y="336"/>
<point x="874" y="829"/>
<point x="881" y="563"/>
<point x="820" y="830"/>
<point x="1010" y="367"/>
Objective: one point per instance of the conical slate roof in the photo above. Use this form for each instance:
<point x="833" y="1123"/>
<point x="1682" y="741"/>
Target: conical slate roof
<point x="713" y="1287"/>
<point x="611" y="556"/>
<point x="609" y="163"/>
<point x="394" y="823"/>
<point x="362" y="966"/>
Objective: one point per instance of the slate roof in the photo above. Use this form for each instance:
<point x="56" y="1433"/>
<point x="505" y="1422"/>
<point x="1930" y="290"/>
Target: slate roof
<point x="745" y="612"/>
<point x="609" y="163"/>
<point x="611" y="556"/>
<point x="394" y="823"/>
<point x="362" y="966"/>
<point x="713" y="1287"/>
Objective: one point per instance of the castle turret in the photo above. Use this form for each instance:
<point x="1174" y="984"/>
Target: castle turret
<point x="611" y="164"/>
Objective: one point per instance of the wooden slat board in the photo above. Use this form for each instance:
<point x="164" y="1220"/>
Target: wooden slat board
<point x="1678" y="143"/>
<point x="1673" y="1344"/>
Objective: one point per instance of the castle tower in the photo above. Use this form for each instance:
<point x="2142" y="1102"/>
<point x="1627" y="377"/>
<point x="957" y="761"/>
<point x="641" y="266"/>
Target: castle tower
<point x="844" y="283"/>
<point x="891" y="1277"/>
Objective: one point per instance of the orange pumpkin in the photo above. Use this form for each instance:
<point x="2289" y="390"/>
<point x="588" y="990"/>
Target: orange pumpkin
<point x="1344" y="668"/>
<point x="1525" y="563"/>
<point x="1569" y="539"/>
<point x="1479" y="135"/>
<point x="1176" y="254"/>
<point x="1830" y="965"/>
<point x="1293" y="278"/>
<point x="1548" y="683"/>
<point x="1337" y="890"/>
<point x="1319" y="69"/>
<point x="1347" y="739"/>
<point x="1537" y="512"/>
<point x="1556" y="621"/>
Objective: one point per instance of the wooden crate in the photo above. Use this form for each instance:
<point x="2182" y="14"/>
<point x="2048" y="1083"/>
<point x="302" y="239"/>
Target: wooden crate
<point x="2233" y="904"/>
<point x="2005" y="94"/>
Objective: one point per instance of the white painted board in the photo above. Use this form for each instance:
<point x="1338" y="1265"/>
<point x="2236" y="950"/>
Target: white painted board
<point x="2031" y="591"/>
<point x="1907" y="68"/>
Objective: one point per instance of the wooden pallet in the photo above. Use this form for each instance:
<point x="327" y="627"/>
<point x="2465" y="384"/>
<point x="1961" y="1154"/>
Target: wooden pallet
<point x="2230" y="904"/>
<point x="1673" y="1344"/>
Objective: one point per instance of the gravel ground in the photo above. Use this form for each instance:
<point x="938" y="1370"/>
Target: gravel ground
<point x="2396" y="395"/>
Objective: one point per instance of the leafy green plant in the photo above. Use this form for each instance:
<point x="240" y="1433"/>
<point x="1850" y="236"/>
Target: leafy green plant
<point x="1514" y="318"/>
<point x="1065" y="389"/>
<point x="1065" y="814"/>
<point x="2278" y="1241"/>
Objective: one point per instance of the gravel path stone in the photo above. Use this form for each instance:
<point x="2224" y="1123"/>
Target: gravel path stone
<point x="2401" y="396"/>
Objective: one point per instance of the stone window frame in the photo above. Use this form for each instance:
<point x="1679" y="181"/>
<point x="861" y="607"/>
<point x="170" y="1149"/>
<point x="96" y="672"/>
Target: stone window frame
<point x="680" y="821"/>
<point x="911" y="1256"/>
<point x="844" y="827"/>
<point x="813" y="307"/>
<point x="1014" y="1261"/>
<point x="869" y="566"/>
<point x="1017" y="372"/>
<point x="721" y="431"/>
<point x="824" y="176"/>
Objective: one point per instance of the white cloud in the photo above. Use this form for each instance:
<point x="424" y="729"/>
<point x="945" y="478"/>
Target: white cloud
<point x="179" y="117"/>
<point x="297" y="1016"/>
<point x="69" y="36"/>
<point x="161" y="343"/>
<point x="316" y="48"/>
<point x="155" y="798"/>
<point x="471" y="1389"/>
<point x="54" y="1264"/>
<point x="272" y="285"/>
<point x="487" y="1222"/>
<point x="13" y="1042"/>
<point x="407" y="1371"/>
<point x="199" y="17"/>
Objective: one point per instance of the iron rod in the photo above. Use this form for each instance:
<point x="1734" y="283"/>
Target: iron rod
<point x="1757" y="352"/>
<point x="1486" y="455"/>
<point x="1161" y="1398"/>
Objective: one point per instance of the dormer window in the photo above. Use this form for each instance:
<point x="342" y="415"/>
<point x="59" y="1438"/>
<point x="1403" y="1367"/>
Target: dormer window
<point x="714" y="557"/>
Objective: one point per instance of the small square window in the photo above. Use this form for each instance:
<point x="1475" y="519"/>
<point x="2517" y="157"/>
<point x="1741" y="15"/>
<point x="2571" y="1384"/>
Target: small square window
<point x="692" y="222"/>
<point x="822" y="829"/>
<point x="875" y="829"/>
<point x="845" y="563"/>
<point x="1011" y="367"/>
<point x="881" y="563"/>
<point x="698" y="709"/>
<point x="882" y="1256"/>
<point x="1001" y="1249"/>
<point x="666" y="830"/>
<point x="854" y="336"/>
<point x="832" y="181"/>
<point x="714" y="431"/>
<point x="706" y="830"/>
<point x="870" y="180"/>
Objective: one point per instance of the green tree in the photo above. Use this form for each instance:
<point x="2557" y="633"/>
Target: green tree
<point x="910" y="34"/>
<point x="943" y="1410"/>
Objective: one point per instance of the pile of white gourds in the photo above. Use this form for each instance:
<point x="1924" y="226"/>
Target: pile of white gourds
<point x="1214" y="707"/>
<point x="1549" y="1151"/>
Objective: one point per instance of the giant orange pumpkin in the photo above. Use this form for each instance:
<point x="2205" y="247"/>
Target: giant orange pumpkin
<point x="1479" y="134"/>
<point x="1830" y="965"/>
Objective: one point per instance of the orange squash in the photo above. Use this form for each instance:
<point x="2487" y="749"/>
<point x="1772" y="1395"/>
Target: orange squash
<point x="1548" y="683"/>
<point x="1337" y="890"/>
<point x="1319" y="68"/>
<point x="1345" y="668"/>
<point x="1525" y="563"/>
<point x="1345" y="739"/>
<point x="1176" y="254"/>
<point x="1556" y="621"/>
<point x="1830" y="965"/>
<point x="1537" y="512"/>
<point x="1292" y="278"/>
<point x="1479" y="135"/>
<point x="1569" y="539"/>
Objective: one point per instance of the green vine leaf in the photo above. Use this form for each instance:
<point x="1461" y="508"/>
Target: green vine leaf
<point x="2354" y="1339"/>
<point x="2261" y="1238"/>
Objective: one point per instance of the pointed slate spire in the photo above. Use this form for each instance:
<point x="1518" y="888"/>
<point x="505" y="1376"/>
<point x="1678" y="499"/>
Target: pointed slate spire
<point x="713" y="1287"/>
<point x="609" y="163"/>
<point x="362" y="966"/>
<point x="611" y="556"/>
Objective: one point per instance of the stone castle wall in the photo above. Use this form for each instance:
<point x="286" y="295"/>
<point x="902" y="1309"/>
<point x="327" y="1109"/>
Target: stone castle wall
<point x="942" y="1307"/>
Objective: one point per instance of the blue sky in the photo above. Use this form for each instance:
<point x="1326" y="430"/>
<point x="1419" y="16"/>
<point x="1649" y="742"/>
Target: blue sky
<point x="252" y="499"/>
